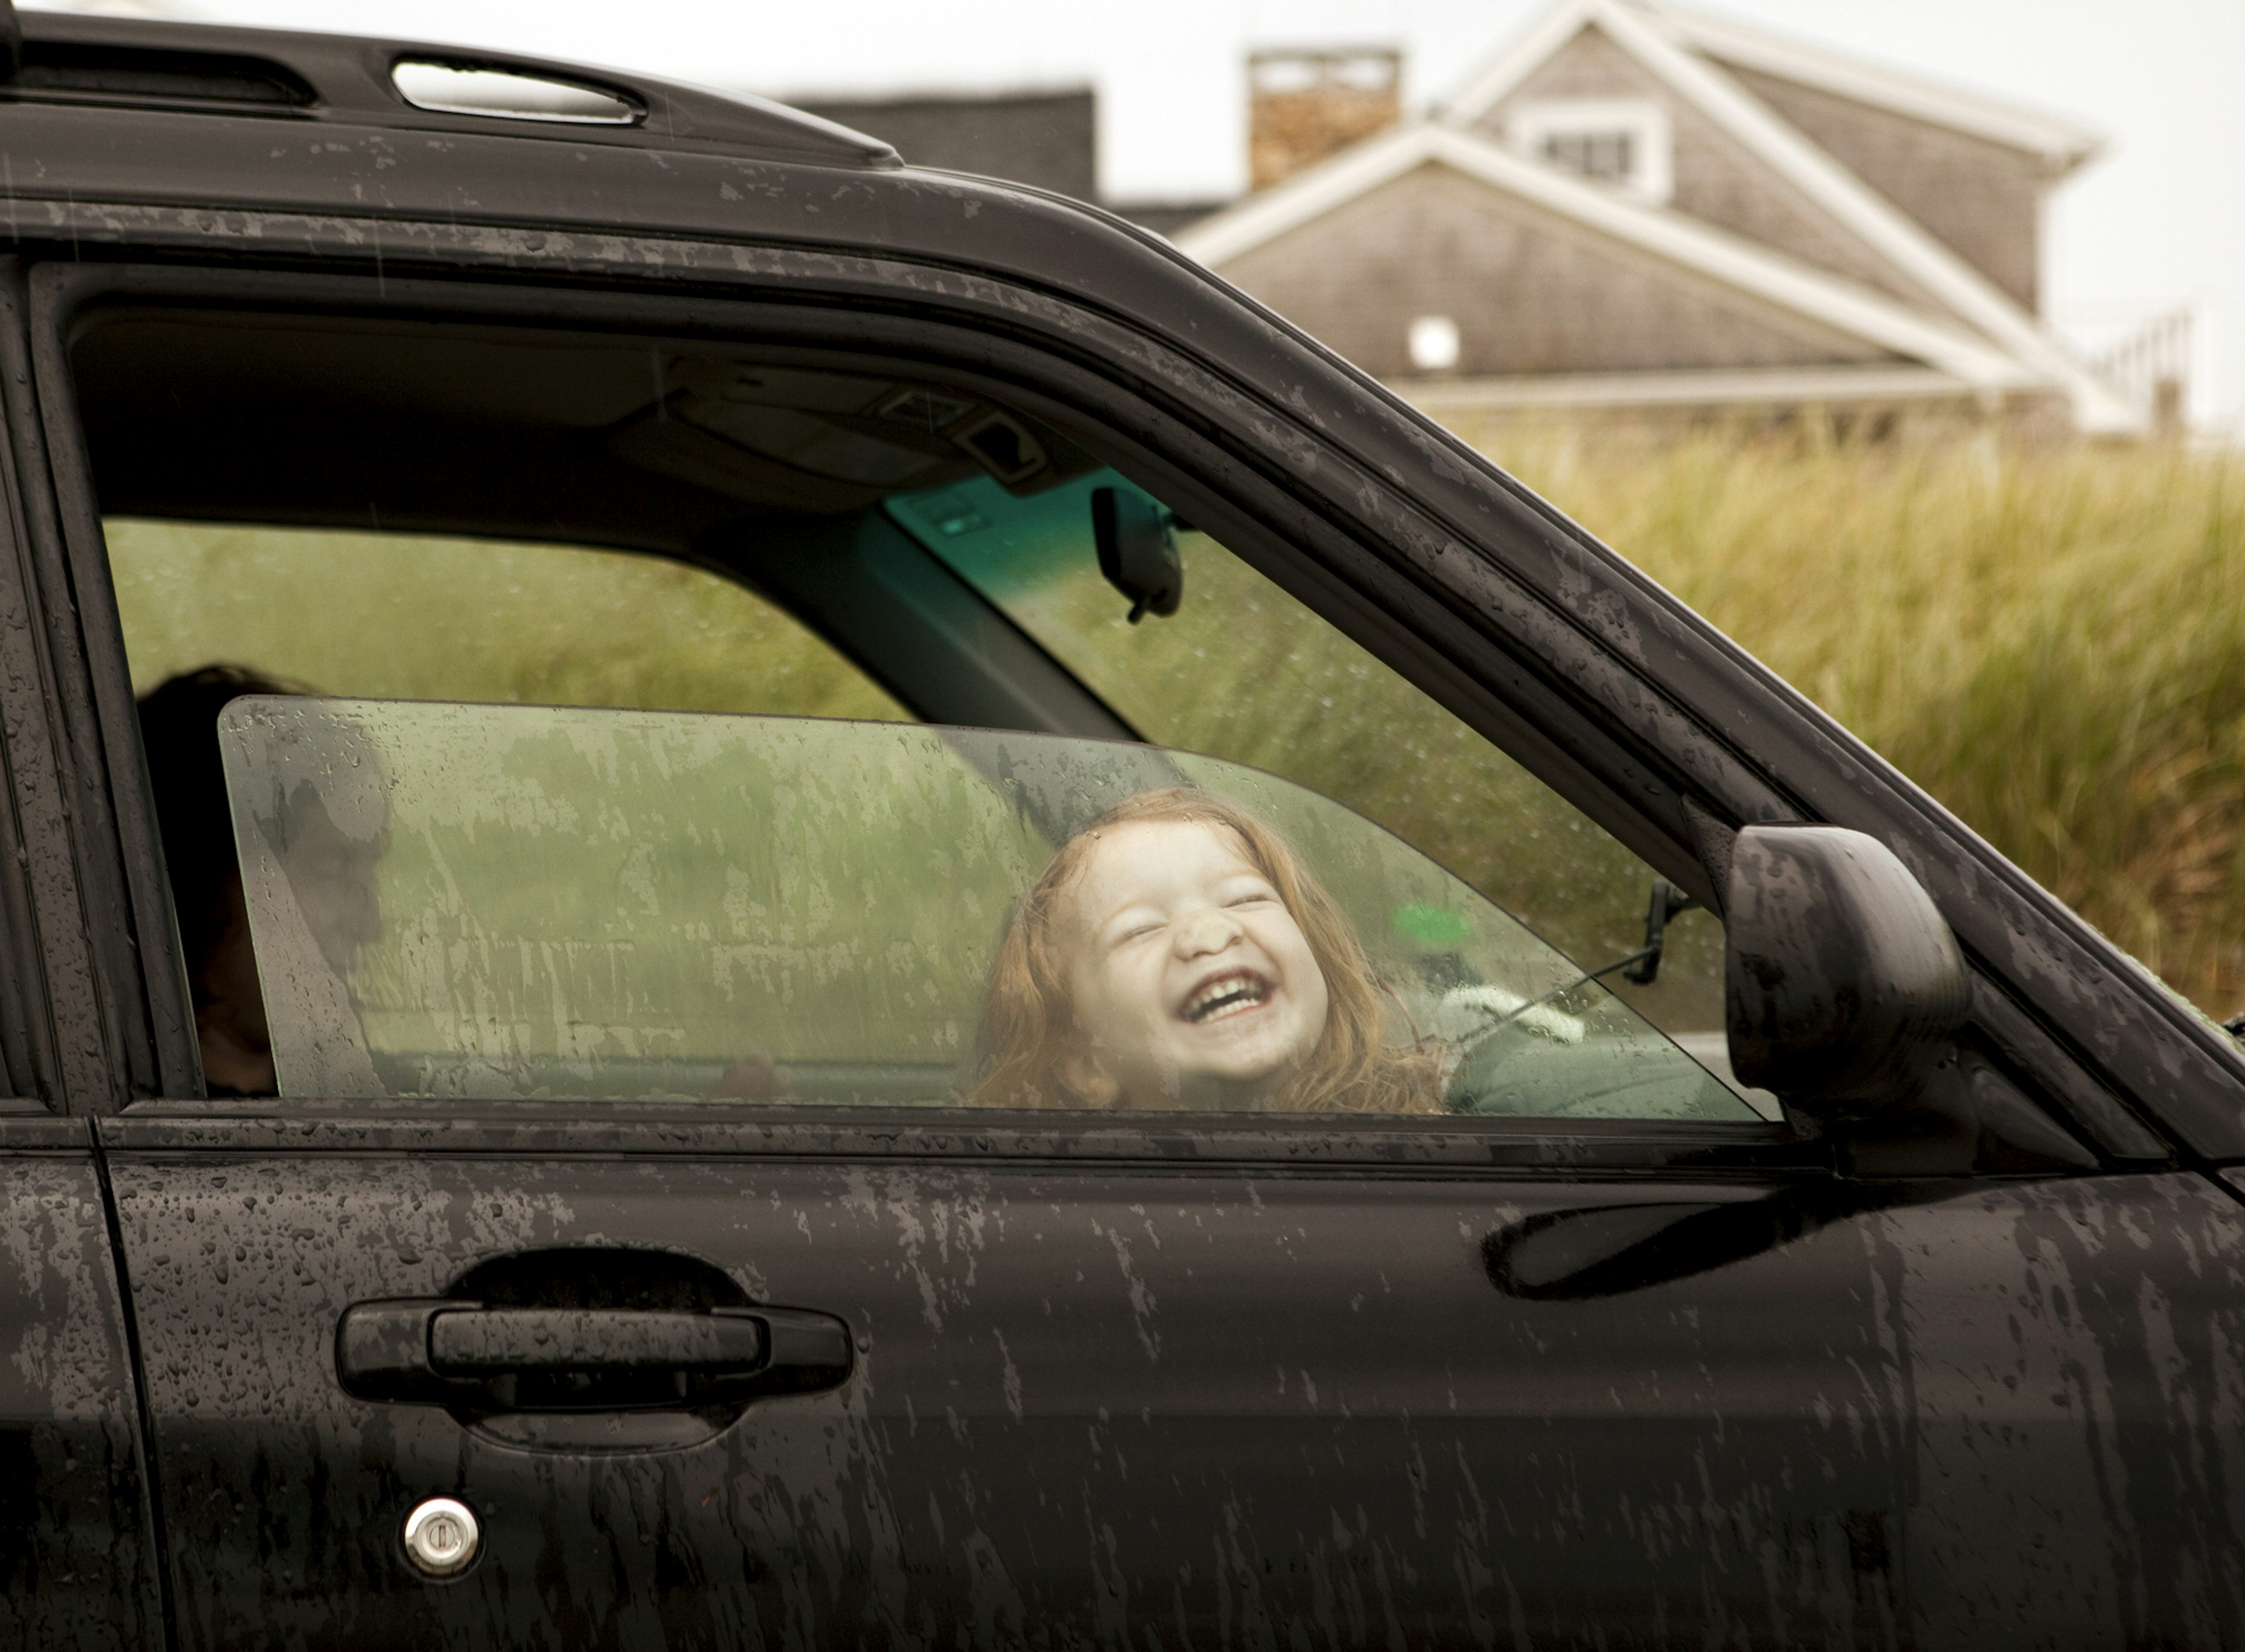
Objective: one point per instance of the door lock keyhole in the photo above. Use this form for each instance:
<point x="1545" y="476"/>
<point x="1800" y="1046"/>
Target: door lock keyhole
<point x="441" y="1537"/>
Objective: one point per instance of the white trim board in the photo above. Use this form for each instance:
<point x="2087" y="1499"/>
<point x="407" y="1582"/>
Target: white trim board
<point x="1681" y="241"/>
<point x="1717" y="388"/>
<point x="2063" y="143"/>
<point x="1516" y="60"/>
<point x="2033" y="130"/>
<point x="1653" y="41"/>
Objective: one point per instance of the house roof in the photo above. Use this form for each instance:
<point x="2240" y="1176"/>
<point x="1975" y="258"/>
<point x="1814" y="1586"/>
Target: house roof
<point x="1047" y="138"/>
<point x="1653" y="38"/>
<point x="1668" y="45"/>
<point x="2062" y="143"/>
<point x="1686" y="242"/>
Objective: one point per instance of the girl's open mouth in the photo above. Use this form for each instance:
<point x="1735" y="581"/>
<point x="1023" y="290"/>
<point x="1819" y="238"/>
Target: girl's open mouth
<point x="1230" y="993"/>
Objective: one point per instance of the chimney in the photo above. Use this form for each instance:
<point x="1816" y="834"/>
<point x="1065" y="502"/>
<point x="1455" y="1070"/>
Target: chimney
<point x="1303" y="106"/>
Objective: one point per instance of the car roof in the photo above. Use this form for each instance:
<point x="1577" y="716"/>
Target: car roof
<point x="110" y="112"/>
<point x="346" y="80"/>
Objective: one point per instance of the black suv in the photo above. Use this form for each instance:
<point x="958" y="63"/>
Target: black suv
<point x="755" y="899"/>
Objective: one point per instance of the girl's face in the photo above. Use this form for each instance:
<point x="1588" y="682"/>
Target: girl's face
<point x="1192" y="985"/>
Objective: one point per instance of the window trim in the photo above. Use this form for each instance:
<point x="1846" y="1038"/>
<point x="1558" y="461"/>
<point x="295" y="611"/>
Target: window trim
<point x="1288" y="1144"/>
<point x="46" y="1035"/>
<point x="117" y="1026"/>
<point x="62" y="294"/>
<point x="1480" y="636"/>
<point x="1652" y="176"/>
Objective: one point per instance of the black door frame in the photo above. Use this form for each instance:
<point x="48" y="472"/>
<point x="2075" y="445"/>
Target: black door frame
<point x="1470" y="627"/>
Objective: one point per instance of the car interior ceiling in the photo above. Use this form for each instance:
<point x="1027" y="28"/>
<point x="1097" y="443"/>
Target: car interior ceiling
<point x="770" y="466"/>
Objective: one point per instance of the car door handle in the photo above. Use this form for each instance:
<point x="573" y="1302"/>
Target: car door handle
<point x="437" y="1350"/>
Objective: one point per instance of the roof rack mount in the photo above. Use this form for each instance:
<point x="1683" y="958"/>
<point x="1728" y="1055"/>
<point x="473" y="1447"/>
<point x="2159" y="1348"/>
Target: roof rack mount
<point x="74" y="57"/>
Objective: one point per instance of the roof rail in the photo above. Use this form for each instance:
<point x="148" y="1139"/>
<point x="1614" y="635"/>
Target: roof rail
<point x="70" y="57"/>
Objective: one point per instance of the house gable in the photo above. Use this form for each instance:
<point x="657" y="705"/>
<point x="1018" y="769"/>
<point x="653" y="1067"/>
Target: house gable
<point x="1531" y="291"/>
<point x="1750" y="277"/>
<point x="1981" y="198"/>
<point x="1713" y="176"/>
<point x="2058" y="144"/>
<point x="1659" y="40"/>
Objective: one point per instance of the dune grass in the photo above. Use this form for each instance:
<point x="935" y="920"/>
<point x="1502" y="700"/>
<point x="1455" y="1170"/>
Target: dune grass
<point x="2049" y="639"/>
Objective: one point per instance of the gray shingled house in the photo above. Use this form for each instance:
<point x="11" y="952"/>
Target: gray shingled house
<point x="1633" y="205"/>
<point x="1046" y="138"/>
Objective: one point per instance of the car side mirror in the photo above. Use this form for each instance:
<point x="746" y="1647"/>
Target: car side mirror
<point x="1137" y="550"/>
<point x="1843" y="988"/>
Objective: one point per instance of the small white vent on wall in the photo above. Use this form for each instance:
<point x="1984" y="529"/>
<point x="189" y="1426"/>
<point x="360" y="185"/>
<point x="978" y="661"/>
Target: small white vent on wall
<point x="1622" y="142"/>
<point x="1434" y="343"/>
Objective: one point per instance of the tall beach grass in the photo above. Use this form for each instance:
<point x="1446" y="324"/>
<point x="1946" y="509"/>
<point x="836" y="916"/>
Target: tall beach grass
<point x="2049" y="639"/>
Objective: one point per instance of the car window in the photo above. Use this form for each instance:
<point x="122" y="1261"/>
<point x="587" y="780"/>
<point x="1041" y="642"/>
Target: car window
<point x="423" y="617"/>
<point x="518" y="902"/>
<point x="842" y="539"/>
<point x="1242" y="670"/>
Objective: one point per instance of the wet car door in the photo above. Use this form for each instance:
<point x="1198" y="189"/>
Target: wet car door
<point x="839" y="1369"/>
<point x="81" y="1566"/>
<point x="1598" y="1348"/>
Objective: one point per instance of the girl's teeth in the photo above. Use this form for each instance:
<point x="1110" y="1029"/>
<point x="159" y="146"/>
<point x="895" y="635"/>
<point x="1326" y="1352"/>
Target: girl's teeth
<point x="1224" y="997"/>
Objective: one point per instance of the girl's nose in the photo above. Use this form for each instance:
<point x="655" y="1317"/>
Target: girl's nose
<point x="1210" y="929"/>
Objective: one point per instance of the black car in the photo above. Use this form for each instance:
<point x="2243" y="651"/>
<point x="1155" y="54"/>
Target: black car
<point x="755" y="899"/>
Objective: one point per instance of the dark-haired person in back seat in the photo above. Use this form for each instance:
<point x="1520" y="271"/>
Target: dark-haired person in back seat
<point x="179" y="731"/>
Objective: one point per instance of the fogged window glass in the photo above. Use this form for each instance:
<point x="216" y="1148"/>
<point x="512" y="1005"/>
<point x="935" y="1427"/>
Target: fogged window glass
<point x="1242" y="670"/>
<point x="481" y="901"/>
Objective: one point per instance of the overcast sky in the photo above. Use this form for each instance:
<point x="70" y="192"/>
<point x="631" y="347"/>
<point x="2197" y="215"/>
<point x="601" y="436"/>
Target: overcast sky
<point x="2158" y="219"/>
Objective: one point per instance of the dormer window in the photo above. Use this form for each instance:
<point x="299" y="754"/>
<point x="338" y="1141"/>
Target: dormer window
<point x="1623" y="143"/>
<point x="1609" y="156"/>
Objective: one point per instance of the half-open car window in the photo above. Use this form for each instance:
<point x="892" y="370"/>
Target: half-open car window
<point x="390" y="510"/>
<point x="520" y="902"/>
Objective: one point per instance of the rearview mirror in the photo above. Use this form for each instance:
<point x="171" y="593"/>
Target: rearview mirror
<point x="1843" y="986"/>
<point x="1137" y="550"/>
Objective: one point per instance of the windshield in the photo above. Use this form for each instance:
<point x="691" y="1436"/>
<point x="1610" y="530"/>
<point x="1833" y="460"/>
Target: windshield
<point x="519" y="902"/>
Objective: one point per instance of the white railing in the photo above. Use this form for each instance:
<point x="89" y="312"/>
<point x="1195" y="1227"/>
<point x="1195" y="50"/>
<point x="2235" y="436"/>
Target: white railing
<point x="2152" y="364"/>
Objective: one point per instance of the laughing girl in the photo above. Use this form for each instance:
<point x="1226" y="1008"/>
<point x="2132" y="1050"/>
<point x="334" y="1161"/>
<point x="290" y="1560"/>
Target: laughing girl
<point x="1177" y="954"/>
